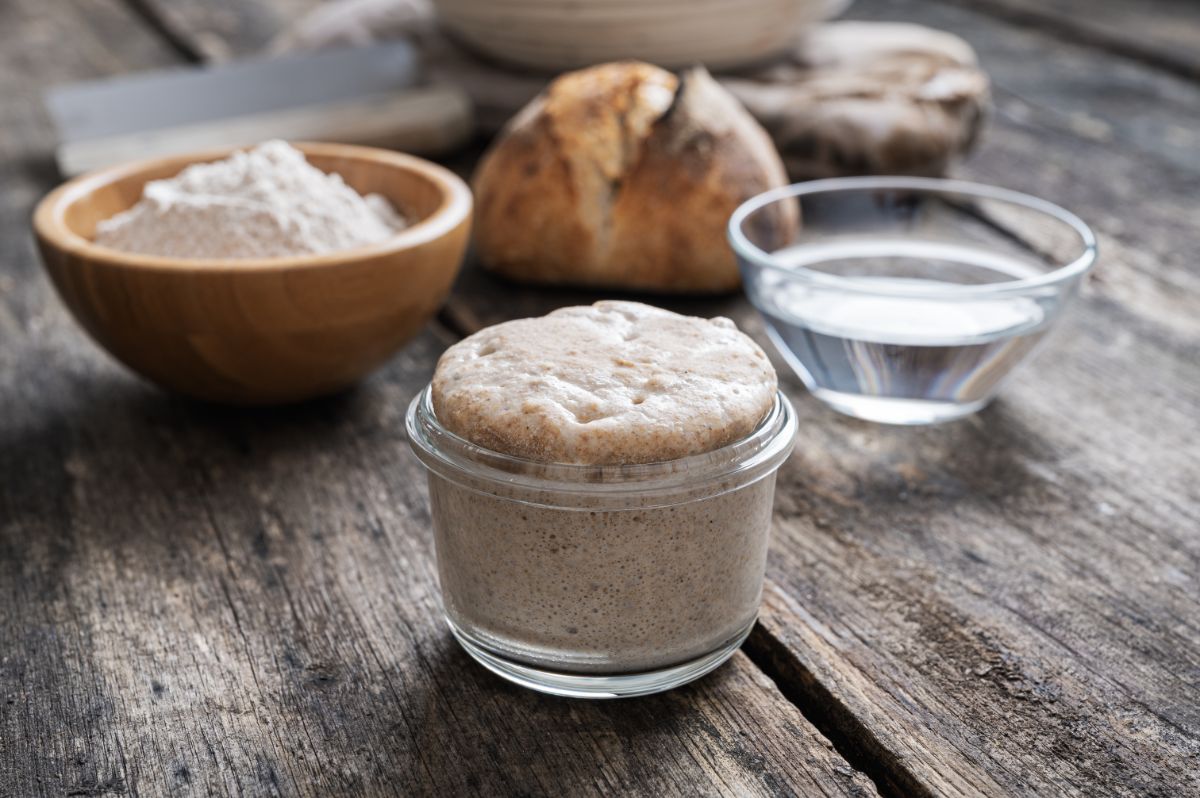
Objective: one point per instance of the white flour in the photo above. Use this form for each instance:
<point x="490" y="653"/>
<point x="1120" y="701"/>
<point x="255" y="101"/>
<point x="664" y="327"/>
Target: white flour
<point x="264" y="203"/>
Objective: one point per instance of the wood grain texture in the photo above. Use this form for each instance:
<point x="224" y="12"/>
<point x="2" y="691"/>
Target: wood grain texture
<point x="1007" y="605"/>
<point x="1091" y="94"/>
<point x="1164" y="34"/>
<point x="1003" y="606"/>
<point x="202" y="601"/>
<point x="1031" y="577"/>
<point x="218" y="30"/>
<point x="263" y="619"/>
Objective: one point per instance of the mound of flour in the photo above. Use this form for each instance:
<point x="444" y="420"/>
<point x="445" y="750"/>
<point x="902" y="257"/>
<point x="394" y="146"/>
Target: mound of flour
<point x="263" y="203"/>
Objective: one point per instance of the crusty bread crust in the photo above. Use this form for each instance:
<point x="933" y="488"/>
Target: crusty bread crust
<point x="624" y="176"/>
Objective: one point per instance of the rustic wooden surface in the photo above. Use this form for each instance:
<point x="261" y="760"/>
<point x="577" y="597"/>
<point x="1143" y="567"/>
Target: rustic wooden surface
<point x="196" y="601"/>
<point x="1162" y="33"/>
<point x="201" y="601"/>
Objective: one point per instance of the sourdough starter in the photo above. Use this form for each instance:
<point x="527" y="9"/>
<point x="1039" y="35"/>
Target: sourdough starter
<point x="602" y="591"/>
<point x="625" y="582"/>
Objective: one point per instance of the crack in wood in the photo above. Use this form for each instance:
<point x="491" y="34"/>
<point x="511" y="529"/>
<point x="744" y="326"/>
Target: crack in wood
<point x="149" y="14"/>
<point x="457" y="320"/>
<point x="848" y="734"/>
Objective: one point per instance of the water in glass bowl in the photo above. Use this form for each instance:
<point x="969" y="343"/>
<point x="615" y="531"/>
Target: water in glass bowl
<point x="871" y="351"/>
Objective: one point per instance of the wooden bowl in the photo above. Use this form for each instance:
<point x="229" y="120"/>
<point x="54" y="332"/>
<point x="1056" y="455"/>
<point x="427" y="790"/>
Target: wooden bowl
<point x="259" y="331"/>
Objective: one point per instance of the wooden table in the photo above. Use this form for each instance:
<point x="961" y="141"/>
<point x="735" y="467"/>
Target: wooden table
<point x="196" y="600"/>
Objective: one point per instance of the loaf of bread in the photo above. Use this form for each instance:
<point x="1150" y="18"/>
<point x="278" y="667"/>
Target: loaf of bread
<point x="624" y="176"/>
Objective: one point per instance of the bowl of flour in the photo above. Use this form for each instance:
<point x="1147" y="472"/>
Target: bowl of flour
<point x="259" y="276"/>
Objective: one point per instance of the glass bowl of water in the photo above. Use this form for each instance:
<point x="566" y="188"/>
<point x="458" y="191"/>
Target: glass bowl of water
<point x="908" y="300"/>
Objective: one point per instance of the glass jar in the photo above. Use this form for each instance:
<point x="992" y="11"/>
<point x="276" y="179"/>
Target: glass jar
<point x="601" y="580"/>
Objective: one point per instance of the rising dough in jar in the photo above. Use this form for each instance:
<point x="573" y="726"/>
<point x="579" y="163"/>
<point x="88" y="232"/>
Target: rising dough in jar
<point x="614" y="382"/>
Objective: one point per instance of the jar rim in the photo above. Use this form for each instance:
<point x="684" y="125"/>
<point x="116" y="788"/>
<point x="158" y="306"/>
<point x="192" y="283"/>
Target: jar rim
<point x="748" y="458"/>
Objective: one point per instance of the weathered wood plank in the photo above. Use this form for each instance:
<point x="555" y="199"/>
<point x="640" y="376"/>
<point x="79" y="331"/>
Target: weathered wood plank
<point x="1007" y="605"/>
<point x="1097" y="96"/>
<point x="1092" y="94"/>
<point x="216" y="30"/>
<point x="246" y="603"/>
<point x="205" y="601"/>
<point x="1104" y="98"/>
<point x="1163" y="33"/>
<point x="1030" y="578"/>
